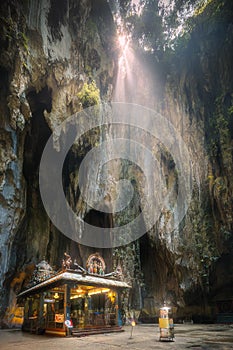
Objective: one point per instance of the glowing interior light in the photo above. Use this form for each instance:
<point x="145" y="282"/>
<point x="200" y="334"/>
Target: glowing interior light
<point x="56" y="295"/>
<point x="99" y="291"/>
<point x="76" y="296"/>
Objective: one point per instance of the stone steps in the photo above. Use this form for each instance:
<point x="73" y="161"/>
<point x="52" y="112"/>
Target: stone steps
<point x="95" y="330"/>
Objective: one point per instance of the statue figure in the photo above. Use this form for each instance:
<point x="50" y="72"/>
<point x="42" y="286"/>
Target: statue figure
<point x="91" y="267"/>
<point x="66" y="262"/>
<point x="101" y="271"/>
<point x="95" y="267"/>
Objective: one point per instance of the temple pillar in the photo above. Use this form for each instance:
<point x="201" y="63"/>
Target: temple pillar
<point x="86" y="311"/>
<point x="67" y="305"/>
<point x="41" y="320"/>
<point x="117" y="308"/>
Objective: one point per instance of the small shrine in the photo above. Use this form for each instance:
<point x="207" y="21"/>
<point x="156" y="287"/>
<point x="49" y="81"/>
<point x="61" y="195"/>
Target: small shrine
<point x="75" y="300"/>
<point x="96" y="264"/>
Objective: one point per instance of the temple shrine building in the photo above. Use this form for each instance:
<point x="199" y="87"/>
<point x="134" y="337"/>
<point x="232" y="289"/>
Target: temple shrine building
<point x="75" y="300"/>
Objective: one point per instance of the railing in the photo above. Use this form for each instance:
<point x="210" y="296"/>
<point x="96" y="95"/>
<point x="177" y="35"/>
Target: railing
<point x="51" y="323"/>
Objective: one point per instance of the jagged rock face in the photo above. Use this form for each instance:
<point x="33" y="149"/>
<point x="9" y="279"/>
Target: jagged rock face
<point x="182" y="267"/>
<point x="198" y="101"/>
<point x="49" y="52"/>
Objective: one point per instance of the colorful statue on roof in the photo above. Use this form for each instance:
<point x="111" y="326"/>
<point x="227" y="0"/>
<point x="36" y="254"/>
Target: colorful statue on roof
<point x="66" y="262"/>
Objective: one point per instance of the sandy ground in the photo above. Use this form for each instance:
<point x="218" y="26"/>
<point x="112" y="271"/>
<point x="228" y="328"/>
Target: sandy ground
<point x="143" y="337"/>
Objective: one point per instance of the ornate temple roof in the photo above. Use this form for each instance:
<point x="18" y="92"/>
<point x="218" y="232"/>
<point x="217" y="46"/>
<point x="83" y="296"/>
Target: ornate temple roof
<point x="44" y="265"/>
<point x="73" y="276"/>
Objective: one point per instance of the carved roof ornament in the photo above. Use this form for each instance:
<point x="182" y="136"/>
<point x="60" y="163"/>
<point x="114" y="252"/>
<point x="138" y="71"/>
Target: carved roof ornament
<point x="119" y="273"/>
<point x="44" y="265"/>
<point x="66" y="262"/>
<point x="96" y="264"/>
<point x="42" y="272"/>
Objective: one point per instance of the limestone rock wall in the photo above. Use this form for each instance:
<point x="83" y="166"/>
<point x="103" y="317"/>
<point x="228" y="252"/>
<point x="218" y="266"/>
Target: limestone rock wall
<point x="198" y="101"/>
<point x="48" y="51"/>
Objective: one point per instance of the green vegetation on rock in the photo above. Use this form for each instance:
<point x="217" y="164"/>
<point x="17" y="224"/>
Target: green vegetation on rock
<point x="89" y="95"/>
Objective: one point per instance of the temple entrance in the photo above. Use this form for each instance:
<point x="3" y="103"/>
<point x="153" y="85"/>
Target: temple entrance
<point x="95" y="308"/>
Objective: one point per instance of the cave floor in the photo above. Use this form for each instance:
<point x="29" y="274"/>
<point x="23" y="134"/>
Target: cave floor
<point x="187" y="336"/>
